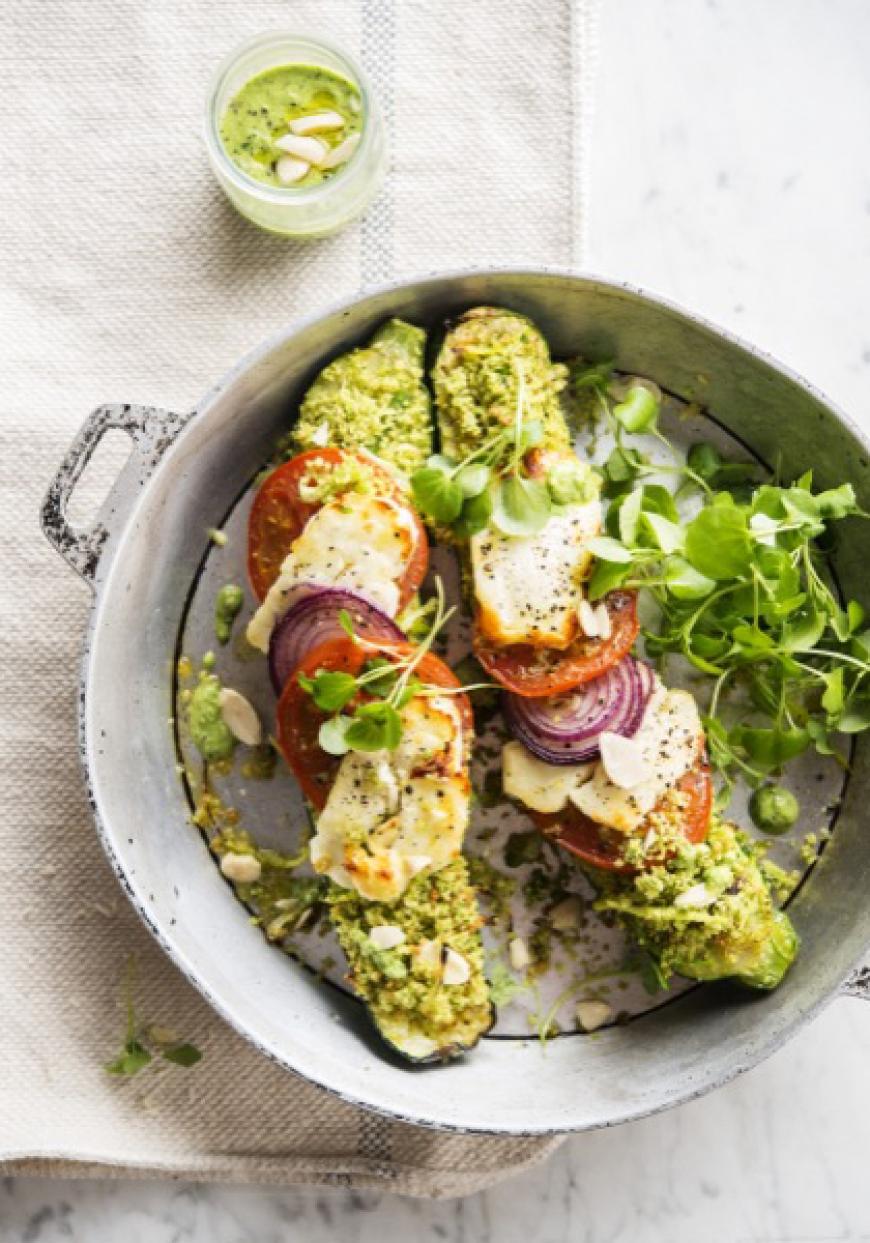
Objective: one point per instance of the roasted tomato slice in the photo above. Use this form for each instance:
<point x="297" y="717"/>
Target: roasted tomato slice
<point x="299" y="719"/>
<point x="279" y="514"/>
<point x="535" y="672"/>
<point x="598" y="848"/>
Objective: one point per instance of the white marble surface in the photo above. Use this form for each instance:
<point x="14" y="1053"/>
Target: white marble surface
<point x="730" y="173"/>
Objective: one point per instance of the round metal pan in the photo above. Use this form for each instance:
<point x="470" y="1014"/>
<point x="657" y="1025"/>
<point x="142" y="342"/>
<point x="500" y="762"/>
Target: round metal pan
<point x="141" y="556"/>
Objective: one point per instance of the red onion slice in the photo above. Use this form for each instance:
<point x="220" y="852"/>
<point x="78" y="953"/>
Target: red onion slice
<point x="313" y="618"/>
<point x="564" y="729"/>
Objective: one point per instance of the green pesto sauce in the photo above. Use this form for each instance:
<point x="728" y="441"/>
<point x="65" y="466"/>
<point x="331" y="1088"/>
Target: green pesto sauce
<point x="262" y="111"/>
<point x="209" y="733"/>
<point x="227" y="606"/>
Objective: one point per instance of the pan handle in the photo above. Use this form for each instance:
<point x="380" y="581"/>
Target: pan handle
<point x="152" y="431"/>
<point x="857" y="983"/>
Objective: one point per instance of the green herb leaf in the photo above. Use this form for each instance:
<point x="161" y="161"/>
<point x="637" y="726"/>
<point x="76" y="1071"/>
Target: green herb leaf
<point x="606" y="576"/>
<point x="133" y="1058"/>
<point x="629" y="516"/>
<point x="837" y="503"/>
<point x="717" y="542"/>
<point x="183" y="1054"/>
<point x="374" y="727"/>
<point x="332" y="735"/>
<point x="437" y="495"/>
<point x="332" y="690"/>
<point x="475" y="515"/>
<point x="668" y="535"/>
<point x="596" y="376"/>
<point x="769" y="749"/>
<point x="639" y="411"/>
<point x="705" y="460"/>
<point x="607" y="549"/>
<point x="521" y="506"/>
<point x="346" y="622"/>
<point x="473" y="479"/>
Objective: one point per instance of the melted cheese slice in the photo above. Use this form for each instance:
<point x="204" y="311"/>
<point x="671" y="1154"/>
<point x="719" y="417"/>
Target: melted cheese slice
<point x="357" y="541"/>
<point x="393" y="814"/>
<point x="668" y="742"/>
<point x="527" y="587"/>
<point x="535" y="783"/>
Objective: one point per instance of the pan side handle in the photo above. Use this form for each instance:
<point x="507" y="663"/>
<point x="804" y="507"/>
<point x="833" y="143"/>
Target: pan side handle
<point x="151" y="431"/>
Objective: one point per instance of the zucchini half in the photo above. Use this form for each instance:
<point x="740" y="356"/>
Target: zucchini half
<point x="374" y="398"/>
<point x="476" y="378"/>
<point x="742" y="935"/>
<point x="418" y="1015"/>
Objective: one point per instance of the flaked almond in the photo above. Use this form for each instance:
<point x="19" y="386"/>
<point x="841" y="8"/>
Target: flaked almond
<point x="289" y="169"/>
<point x="623" y="760"/>
<point x="593" y="1014"/>
<point x="698" y="895"/>
<point x="320" y="435"/>
<point x="341" y="153"/>
<point x="417" y="863"/>
<point x="518" y="952"/>
<point x="602" y="621"/>
<point x="565" y="915"/>
<point x="242" y="869"/>
<point x="428" y="955"/>
<point x="240" y="717"/>
<point x="317" y="123"/>
<point x="588" y="617"/>
<point x="312" y="150"/>
<point x="456" y="969"/>
<point x="386" y="936"/>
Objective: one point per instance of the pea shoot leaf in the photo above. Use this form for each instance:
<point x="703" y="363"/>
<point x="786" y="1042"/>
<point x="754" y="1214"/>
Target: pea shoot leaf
<point x="717" y="542"/>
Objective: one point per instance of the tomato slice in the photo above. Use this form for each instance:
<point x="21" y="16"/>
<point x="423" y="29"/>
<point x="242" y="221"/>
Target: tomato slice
<point x="535" y="672"/>
<point x="299" y="719"/>
<point x="278" y="517"/>
<point x="587" y="840"/>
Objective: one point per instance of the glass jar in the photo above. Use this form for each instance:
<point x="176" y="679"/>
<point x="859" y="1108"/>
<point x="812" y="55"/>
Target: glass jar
<point x="297" y="211"/>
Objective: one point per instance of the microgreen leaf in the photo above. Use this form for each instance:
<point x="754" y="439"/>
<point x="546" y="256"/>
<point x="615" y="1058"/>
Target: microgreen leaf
<point x="717" y="542"/>
<point x="437" y="495"/>
<point x="520" y="506"/>
<point x="684" y="582"/>
<point x="629" y="516"/>
<point x="668" y="535"/>
<point x="473" y="479"/>
<point x="374" y="727"/>
<point x="475" y="515"/>
<point x="639" y="411"/>
<point x="332" y="735"/>
<point x="132" y="1058"/>
<point x="183" y="1054"/>
<point x="346" y="623"/>
<point x="607" y="549"/>
<point x="592" y="375"/>
<point x="606" y="576"/>
<point x="331" y="690"/>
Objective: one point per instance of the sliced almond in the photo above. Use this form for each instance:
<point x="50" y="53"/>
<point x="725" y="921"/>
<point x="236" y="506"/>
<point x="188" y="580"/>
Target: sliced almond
<point x="602" y="621"/>
<point x="312" y="150"/>
<point x="593" y="1014"/>
<point x="317" y="123"/>
<point x="289" y="169"/>
<point x="341" y="153"/>
<point x="588" y="617"/>
<point x="456" y="969"/>
<point x="698" y="895"/>
<point x="242" y="869"/>
<point x="623" y="761"/>
<point x="240" y="717"/>
<point x="518" y="952"/>
<point x="417" y="863"/>
<point x="386" y="936"/>
<point x="320" y="435"/>
<point x="565" y="915"/>
<point x="428" y="955"/>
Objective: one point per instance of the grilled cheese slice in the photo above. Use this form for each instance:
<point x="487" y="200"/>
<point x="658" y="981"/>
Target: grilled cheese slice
<point x="527" y="588"/>
<point x="393" y="814"/>
<point x="356" y="540"/>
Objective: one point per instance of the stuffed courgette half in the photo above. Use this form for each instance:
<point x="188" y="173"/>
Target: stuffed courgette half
<point x="610" y="763"/>
<point x="375" y="728"/>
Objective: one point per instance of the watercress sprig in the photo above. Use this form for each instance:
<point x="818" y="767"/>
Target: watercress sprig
<point x="743" y="595"/>
<point x="492" y="486"/>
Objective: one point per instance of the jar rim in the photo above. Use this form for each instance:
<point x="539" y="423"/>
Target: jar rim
<point x="289" y="194"/>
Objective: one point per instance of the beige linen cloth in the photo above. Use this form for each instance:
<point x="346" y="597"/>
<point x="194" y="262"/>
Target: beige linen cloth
<point x="126" y="276"/>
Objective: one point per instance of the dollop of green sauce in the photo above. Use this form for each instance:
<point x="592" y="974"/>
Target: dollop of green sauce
<point x="227" y="606"/>
<point x="774" y="809"/>
<point x="208" y="730"/>
<point x="262" y="110"/>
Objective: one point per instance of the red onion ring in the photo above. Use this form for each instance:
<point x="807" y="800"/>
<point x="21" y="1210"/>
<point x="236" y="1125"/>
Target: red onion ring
<point x="313" y="618"/>
<point x="564" y="729"/>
